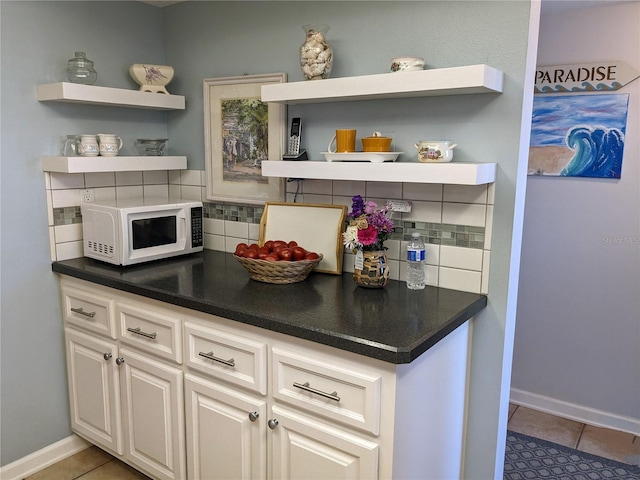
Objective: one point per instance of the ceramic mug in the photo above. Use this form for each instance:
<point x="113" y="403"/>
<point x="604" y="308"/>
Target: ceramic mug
<point x="432" y="151"/>
<point x="345" y="141"/>
<point x="110" y="144"/>
<point x="88" y="146"/>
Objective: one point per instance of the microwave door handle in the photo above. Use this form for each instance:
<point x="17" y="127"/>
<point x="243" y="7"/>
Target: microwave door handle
<point x="182" y="231"/>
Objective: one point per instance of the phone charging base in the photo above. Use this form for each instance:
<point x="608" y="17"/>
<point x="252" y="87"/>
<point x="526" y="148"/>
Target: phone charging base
<point x="300" y="156"/>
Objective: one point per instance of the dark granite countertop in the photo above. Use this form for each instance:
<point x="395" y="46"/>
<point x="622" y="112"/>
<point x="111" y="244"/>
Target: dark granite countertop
<point x="393" y="324"/>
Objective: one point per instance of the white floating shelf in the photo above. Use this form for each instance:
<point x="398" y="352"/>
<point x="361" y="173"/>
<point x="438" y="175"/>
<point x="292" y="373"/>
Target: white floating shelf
<point x="437" y="82"/>
<point x="111" y="164"/>
<point x="115" y="97"/>
<point x="409" y="172"/>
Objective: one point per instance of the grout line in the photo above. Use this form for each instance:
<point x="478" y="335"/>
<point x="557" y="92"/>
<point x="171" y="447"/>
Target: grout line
<point x="584" y="425"/>
<point x="107" y="460"/>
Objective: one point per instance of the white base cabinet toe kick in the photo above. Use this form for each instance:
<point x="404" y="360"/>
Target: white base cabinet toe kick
<point x="178" y="393"/>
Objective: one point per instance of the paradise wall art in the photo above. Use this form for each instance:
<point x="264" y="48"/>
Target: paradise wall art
<point x="578" y="135"/>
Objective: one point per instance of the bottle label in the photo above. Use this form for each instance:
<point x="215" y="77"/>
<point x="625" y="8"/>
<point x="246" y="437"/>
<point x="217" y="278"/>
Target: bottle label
<point x="416" y="255"/>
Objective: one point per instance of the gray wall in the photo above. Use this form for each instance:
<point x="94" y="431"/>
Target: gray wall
<point x="231" y="38"/>
<point x="578" y="330"/>
<point x="214" y="39"/>
<point x="37" y="40"/>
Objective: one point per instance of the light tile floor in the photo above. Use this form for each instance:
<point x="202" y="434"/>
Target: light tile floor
<point x="94" y="464"/>
<point x="612" y="444"/>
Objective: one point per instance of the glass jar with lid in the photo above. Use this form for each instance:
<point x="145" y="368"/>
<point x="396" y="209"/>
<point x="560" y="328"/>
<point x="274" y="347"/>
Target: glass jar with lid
<point x="80" y="70"/>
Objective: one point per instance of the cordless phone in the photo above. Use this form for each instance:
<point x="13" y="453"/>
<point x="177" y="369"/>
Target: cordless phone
<point x="293" y="147"/>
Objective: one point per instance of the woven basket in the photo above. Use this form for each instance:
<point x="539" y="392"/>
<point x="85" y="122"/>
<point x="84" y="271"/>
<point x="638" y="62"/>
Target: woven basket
<point x="278" y="272"/>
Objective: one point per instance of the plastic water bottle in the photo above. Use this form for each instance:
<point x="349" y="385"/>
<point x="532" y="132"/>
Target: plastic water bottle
<point x="415" y="263"/>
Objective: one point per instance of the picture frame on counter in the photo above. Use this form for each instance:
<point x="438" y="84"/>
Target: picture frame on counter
<point x="241" y="131"/>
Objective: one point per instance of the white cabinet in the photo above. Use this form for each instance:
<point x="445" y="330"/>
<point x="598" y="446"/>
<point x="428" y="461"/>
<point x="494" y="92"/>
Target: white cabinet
<point x="304" y="448"/>
<point x="228" y="428"/>
<point x="226" y="435"/>
<point x="152" y="406"/>
<point x="464" y="80"/>
<point x="94" y="389"/>
<point x="66" y="92"/>
<point x="122" y="397"/>
<point x="249" y="403"/>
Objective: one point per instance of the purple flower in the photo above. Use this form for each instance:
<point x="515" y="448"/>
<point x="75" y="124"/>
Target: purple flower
<point x="357" y="206"/>
<point x="369" y="208"/>
<point x="368" y="226"/>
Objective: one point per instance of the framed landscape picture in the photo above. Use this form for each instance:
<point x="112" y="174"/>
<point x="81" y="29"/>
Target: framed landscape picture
<point x="242" y="131"/>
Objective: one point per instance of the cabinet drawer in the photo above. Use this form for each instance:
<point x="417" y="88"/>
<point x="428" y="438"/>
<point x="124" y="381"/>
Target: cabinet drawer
<point x="327" y="389"/>
<point x="151" y="330"/>
<point x="89" y="310"/>
<point x="227" y="356"/>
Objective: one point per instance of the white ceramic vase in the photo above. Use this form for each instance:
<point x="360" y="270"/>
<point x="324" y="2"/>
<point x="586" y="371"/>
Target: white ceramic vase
<point x="151" y="78"/>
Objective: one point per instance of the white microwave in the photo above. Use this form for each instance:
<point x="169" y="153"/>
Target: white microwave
<point x="134" y="231"/>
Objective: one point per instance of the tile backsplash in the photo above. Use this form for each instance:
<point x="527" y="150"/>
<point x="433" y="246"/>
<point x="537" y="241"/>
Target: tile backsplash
<point x="454" y="220"/>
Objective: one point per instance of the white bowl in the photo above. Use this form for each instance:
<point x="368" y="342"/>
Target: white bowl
<point x="151" y="78"/>
<point x="151" y="147"/>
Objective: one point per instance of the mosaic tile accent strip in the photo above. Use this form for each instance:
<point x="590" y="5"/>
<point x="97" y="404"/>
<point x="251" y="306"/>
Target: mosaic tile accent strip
<point x="66" y="216"/>
<point x="232" y="212"/>
<point x="434" y="233"/>
<point x="444" y="234"/>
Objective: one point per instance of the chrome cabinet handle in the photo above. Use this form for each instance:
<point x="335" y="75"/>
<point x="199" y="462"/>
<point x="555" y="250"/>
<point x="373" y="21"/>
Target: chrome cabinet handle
<point x="119" y="361"/>
<point x="305" y="386"/>
<point x="107" y="355"/>
<point x="80" y="311"/>
<point x="253" y="416"/>
<point x="137" y="331"/>
<point x="231" y="362"/>
<point x="273" y="423"/>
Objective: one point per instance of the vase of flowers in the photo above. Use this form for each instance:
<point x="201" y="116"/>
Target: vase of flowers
<point x="367" y="228"/>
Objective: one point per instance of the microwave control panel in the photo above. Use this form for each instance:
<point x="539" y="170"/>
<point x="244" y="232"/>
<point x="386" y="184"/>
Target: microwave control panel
<point x="196" y="227"/>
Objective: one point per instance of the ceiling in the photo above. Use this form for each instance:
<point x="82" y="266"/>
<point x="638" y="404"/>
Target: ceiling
<point x="548" y="6"/>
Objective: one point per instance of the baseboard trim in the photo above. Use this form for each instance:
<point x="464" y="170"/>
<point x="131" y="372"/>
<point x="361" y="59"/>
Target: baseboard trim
<point x="572" y="411"/>
<point x="43" y="458"/>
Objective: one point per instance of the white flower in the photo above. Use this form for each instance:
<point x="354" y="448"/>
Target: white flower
<point x="350" y="238"/>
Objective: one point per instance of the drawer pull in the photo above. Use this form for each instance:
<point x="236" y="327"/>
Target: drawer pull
<point x="305" y="386"/>
<point x="137" y="331"/>
<point x="80" y="311"/>
<point x="231" y="362"/>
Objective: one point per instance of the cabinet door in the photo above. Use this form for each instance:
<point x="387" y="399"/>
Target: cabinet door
<point x="226" y="432"/>
<point x="153" y="415"/>
<point x="304" y="448"/>
<point x="94" y="392"/>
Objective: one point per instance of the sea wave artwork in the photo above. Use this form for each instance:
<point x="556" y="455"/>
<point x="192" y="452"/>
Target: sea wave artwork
<point x="578" y="135"/>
